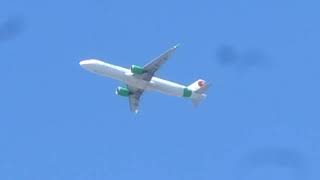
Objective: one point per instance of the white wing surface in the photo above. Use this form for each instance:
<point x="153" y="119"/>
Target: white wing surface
<point x="134" y="98"/>
<point x="150" y="68"/>
<point x="156" y="63"/>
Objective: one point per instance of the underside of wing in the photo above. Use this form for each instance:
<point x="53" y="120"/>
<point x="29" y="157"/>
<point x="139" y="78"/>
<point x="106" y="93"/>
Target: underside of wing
<point x="134" y="98"/>
<point x="156" y="63"/>
<point x="146" y="73"/>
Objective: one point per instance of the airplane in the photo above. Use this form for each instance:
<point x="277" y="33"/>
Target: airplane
<point x="142" y="78"/>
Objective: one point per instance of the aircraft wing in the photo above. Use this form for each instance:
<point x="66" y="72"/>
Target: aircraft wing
<point x="150" y="68"/>
<point x="156" y="63"/>
<point x="134" y="98"/>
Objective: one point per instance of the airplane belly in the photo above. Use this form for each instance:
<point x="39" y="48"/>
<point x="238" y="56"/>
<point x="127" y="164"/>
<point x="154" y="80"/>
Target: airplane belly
<point x="111" y="72"/>
<point x="167" y="87"/>
<point x="135" y="82"/>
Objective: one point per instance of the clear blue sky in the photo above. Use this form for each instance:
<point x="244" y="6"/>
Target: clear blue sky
<point x="260" y="120"/>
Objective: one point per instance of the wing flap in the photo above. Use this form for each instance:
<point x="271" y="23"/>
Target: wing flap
<point x="150" y="68"/>
<point x="134" y="98"/>
<point x="156" y="63"/>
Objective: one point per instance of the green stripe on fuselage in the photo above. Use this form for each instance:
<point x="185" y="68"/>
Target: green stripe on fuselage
<point x="187" y="92"/>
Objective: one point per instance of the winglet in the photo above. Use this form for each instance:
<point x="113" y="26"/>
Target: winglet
<point x="176" y="46"/>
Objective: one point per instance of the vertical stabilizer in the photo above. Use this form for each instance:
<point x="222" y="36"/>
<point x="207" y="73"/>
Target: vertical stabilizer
<point x="199" y="87"/>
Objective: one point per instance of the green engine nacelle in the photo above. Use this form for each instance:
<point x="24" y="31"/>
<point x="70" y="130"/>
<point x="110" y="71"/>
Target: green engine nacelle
<point x="121" y="91"/>
<point x="137" y="69"/>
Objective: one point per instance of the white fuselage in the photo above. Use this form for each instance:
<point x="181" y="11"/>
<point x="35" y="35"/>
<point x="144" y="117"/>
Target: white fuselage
<point x="126" y="76"/>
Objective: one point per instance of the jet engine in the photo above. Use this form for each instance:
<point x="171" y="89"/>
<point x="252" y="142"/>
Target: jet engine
<point x="137" y="69"/>
<point x="121" y="91"/>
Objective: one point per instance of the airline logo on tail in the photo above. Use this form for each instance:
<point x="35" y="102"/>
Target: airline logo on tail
<point x="198" y="85"/>
<point x="201" y="83"/>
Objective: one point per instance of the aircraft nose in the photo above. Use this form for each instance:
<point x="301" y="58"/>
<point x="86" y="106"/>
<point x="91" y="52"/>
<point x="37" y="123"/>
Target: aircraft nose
<point x="84" y="63"/>
<point x="89" y="62"/>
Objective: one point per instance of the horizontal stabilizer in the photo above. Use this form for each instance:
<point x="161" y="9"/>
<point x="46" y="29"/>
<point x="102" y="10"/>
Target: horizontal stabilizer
<point x="198" y="87"/>
<point x="196" y="101"/>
